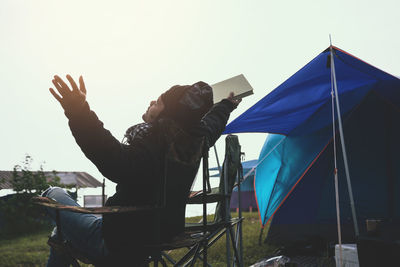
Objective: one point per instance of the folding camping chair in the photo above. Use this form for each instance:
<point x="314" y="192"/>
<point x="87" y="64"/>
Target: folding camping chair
<point x="223" y="224"/>
<point x="197" y="238"/>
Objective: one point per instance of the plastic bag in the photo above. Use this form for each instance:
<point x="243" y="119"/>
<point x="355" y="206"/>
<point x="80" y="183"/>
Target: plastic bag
<point x="278" y="261"/>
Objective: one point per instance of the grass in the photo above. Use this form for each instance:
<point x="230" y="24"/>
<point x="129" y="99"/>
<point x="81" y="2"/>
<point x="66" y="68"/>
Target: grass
<point x="32" y="250"/>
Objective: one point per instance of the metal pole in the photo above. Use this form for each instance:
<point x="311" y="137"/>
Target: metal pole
<point x="226" y="201"/>
<point x="336" y="175"/>
<point x="346" y="166"/>
<point x="240" y="177"/>
<point x="103" y="195"/>
<point x="216" y="157"/>
<point x="204" y="198"/>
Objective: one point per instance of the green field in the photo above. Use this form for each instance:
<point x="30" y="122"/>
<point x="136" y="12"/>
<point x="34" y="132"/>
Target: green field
<point x="32" y="250"/>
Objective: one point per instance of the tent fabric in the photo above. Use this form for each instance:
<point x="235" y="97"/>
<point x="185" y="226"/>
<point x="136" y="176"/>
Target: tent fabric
<point x="301" y="96"/>
<point x="294" y="176"/>
<point x="280" y="171"/>
<point x="309" y="210"/>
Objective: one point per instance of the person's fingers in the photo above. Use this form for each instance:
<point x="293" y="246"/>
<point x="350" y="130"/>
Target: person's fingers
<point x="56" y="96"/>
<point x="82" y="85"/>
<point x="61" y="82"/>
<point x="73" y="84"/>
<point x="61" y="90"/>
<point x="61" y="86"/>
<point x="233" y="100"/>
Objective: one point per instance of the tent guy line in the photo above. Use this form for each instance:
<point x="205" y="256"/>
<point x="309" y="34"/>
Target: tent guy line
<point x="260" y="161"/>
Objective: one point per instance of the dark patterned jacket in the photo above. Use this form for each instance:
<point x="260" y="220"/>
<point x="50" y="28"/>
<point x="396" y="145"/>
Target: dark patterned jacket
<point x="137" y="168"/>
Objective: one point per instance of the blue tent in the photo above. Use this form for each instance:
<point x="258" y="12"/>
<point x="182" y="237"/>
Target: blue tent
<point x="294" y="179"/>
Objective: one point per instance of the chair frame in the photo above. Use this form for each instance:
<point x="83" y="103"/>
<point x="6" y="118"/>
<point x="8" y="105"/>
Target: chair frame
<point x="226" y="227"/>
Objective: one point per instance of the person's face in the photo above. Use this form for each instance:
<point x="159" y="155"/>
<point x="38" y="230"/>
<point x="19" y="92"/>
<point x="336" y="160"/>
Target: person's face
<point x="153" y="110"/>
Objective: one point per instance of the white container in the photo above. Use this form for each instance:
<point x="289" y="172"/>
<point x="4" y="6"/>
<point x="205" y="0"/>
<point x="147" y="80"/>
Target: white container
<point x="349" y="255"/>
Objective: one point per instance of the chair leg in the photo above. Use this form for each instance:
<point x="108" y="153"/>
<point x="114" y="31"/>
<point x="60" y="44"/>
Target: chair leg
<point x="235" y="251"/>
<point x="228" y="250"/>
<point x="195" y="250"/>
<point x="75" y="263"/>
<point x="163" y="262"/>
<point x="168" y="258"/>
<point x="195" y="256"/>
<point x="201" y="258"/>
<point x="156" y="258"/>
<point x="239" y="243"/>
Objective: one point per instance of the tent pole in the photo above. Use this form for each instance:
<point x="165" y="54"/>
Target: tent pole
<point x="336" y="175"/>
<point x="346" y="166"/>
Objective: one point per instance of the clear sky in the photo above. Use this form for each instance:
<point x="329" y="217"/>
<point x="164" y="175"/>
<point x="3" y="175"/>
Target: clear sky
<point x="129" y="52"/>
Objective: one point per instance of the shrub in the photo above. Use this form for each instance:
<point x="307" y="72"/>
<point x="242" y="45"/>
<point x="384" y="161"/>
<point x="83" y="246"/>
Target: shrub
<point x="17" y="213"/>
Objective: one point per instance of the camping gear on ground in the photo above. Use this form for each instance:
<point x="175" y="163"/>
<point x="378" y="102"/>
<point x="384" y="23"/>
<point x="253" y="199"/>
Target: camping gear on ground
<point x="277" y="261"/>
<point x="294" y="180"/>
<point x="295" y="261"/>
<point x="349" y="255"/>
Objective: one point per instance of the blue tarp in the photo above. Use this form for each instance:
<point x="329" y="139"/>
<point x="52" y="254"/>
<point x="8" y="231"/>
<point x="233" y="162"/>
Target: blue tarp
<point x="298" y="113"/>
<point x="301" y="96"/>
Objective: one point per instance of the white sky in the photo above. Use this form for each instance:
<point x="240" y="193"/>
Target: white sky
<point x="129" y="52"/>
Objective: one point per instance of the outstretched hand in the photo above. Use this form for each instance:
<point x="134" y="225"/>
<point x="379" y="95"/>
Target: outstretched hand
<point x="73" y="100"/>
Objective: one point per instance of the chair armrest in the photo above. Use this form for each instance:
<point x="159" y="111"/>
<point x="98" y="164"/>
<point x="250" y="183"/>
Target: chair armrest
<point x="212" y="226"/>
<point x="211" y="197"/>
<point x="51" y="203"/>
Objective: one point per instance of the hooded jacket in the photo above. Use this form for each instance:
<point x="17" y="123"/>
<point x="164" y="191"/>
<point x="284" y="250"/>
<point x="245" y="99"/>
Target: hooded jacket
<point x="137" y="168"/>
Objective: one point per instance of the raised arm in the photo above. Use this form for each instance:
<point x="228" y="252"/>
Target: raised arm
<point x="214" y="122"/>
<point x="113" y="159"/>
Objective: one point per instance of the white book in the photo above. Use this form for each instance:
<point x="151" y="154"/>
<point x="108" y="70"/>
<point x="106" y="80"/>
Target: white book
<point x="238" y="85"/>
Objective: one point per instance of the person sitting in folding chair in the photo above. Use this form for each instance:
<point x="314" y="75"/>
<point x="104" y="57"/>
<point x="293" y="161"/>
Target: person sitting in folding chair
<point x="136" y="165"/>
